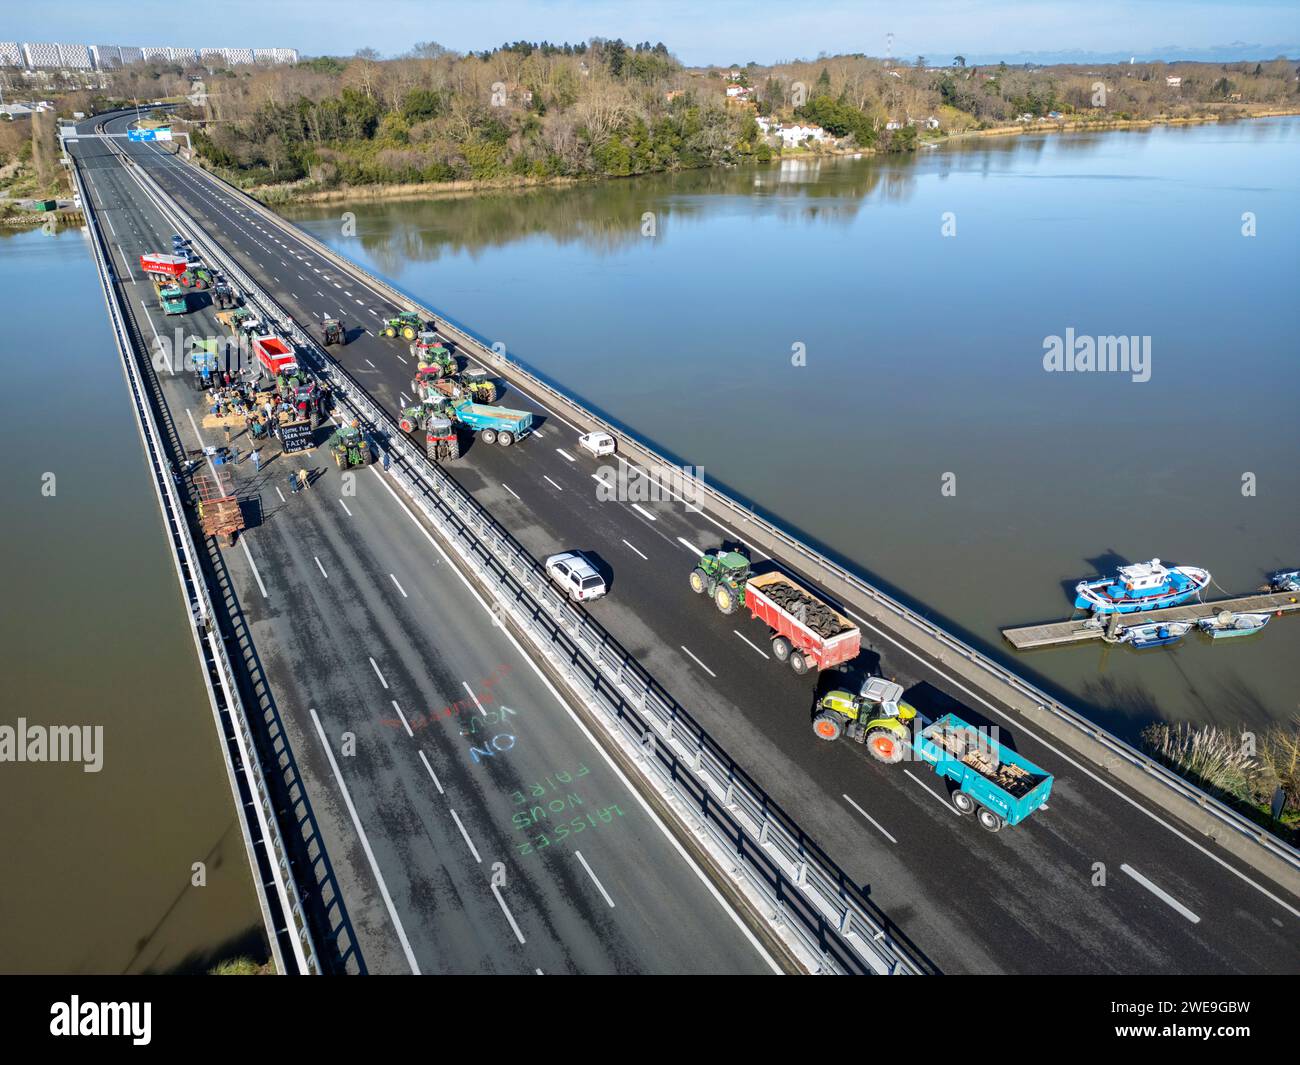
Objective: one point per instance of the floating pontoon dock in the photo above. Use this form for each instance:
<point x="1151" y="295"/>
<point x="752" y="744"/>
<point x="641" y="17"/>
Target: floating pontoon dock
<point x="1079" y="630"/>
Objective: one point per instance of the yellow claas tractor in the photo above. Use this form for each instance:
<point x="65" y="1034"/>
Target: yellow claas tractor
<point x="876" y="716"/>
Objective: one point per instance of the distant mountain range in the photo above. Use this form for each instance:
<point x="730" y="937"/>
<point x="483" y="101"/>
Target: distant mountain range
<point x="1237" y="52"/>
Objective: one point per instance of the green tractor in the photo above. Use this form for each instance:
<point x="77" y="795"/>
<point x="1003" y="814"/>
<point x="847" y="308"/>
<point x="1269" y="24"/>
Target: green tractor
<point x="876" y="716"/>
<point x="436" y="419"/>
<point x="407" y="325"/>
<point x="350" y="447"/>
<point x="196" y="277"/>
<point x="334" y="333"/>
<point x="432" y="359"/>
<point x="415" y="417"/>
<point x="722" y="575"/>
<point x="480" y="386"/>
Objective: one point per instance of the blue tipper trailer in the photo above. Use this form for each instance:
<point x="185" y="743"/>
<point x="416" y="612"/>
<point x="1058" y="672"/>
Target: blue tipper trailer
<point x="494" y="424"/>
<point x="995" y="783"/>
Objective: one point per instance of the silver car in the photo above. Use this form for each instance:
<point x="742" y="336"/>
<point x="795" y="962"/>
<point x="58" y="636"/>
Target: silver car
<point x="573" y="572"/>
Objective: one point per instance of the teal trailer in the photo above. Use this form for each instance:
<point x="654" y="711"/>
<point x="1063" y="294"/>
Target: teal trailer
<point x="995" y="783"/>
<point x="173" y="300"/>
<point x="498" y="425"/>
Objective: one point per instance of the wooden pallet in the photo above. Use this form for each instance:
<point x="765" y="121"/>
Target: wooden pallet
<point x="219" y="511"/>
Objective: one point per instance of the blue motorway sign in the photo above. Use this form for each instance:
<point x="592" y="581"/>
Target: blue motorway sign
<point x="141" y="134"/>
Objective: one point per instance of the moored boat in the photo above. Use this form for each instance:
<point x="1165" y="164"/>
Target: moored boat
<point x="1226" y="623"/>
<point x="1285" y="581"/>
<point x="1141" y="586"/>
<point x="1154" y="633"/>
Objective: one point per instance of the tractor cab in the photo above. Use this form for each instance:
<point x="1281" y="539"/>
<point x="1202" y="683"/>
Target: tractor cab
<point x="333" y="331"/>
<point x="875" y="715"/>
<point x="349" y="446"/>
<point x="731" y="566"/>
<point x="479" y="384"/>
<point x="432" y="357"/>
<point x="875" y="692"/>
<point x="205" y="366"/>
<point x="722" y="576"/>
<point x="407" y="325"/>
<point x="308" y="401"/>
<point x="173" y="299"/>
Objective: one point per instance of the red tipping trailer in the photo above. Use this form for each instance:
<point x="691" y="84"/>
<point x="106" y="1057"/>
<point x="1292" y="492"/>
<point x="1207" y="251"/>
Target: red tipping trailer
<point x="275" y="354"/>
<point x="808" y="633"/>
<point x="153" y="264"/>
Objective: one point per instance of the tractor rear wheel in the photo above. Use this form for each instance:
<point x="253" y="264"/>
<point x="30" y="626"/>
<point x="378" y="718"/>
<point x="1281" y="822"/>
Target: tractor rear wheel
<point x="989" y="821"/>
<point x="828" y="726"/>
<point x="963" y="802"/>
<point x="408" y="333"/>
<point x="781" y="648"/>
<point x="885" y="746"/>
<point x="698" y="581"/>
<point x="725" y="599"/>
<point x="798" y="663"/>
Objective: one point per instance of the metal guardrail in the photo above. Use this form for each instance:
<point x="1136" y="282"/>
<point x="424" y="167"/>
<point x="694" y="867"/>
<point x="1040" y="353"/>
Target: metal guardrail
<point x="804" y="893"/>
<point x="228" y="708"/>
<point x="1072" y="722"/>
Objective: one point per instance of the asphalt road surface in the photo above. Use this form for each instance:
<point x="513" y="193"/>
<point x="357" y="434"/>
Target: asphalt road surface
<point x="473" y="824"/>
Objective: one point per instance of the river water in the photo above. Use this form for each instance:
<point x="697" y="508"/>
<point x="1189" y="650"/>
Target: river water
<point x="96" y="874"/>
<point x="857" y="347"/>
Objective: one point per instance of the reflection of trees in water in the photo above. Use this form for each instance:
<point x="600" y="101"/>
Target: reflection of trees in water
<point x="607" y="217"/>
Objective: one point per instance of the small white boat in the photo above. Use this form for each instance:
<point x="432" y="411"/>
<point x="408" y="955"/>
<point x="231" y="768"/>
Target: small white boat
<point x="1154" y="633"/>
<point x="1226" y="623"/>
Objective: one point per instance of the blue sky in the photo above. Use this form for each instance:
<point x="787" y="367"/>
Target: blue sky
<point x="722" y="31"/>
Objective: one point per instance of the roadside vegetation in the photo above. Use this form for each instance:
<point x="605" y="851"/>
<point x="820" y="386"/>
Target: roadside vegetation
<point x="29" y="165"/>
<point x="527" y="113"/>
<point x="1239" y="767"/>
<point x="241" y="967"/>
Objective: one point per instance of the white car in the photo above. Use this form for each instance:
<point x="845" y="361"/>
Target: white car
<point x="599" y="444"/>
<point x="576" y="575"/>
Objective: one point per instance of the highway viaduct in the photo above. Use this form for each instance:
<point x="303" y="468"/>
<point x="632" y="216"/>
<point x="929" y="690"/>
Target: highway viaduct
<point x="1115" y="876"/>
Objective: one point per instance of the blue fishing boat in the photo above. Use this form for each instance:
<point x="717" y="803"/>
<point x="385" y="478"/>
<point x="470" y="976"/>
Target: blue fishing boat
<point x="1154" y="634"/>
<point x="1226" y="623"/>
<point x="1141" y="586"/>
